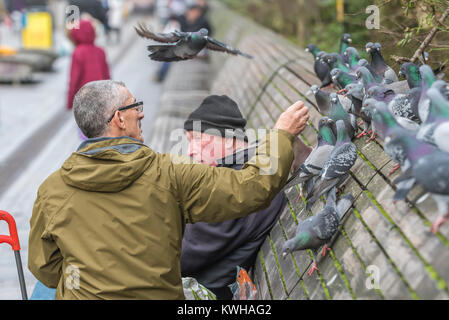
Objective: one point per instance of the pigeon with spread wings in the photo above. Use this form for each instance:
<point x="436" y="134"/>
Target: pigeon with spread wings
<point x="183" y="45"/>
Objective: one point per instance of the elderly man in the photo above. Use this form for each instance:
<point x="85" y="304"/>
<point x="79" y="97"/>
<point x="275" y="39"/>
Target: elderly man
<point x="211" y="252"/>
<point x="109" y="223"/>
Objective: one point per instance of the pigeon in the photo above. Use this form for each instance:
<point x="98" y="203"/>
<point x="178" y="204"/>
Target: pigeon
<point x="355" y="92"/>
<point x="443" y="87"/>
<point x="410" y="71"/>
<point x="398" y="104"/>
<point x="321" y="68"/>
<point x="243" y="288"/>
<point x="427" y="79"/>
<point x="319" y="229"/>
<point x="366" y="77"/>
<point x="341" y="78"/>
<point x="314" y="163"/>
<point x="368" y="108"/>
<point x="351" y="57"/>
<point x="336" y="169"/>
<point x="339" y="113"/>
<point x="429" y="166"/>
<point x="365" y="63"/>
<point x="441" y="137"/>
<point x="378" y="63"/>
<point x="323" y="100"/>
<point x="345" y="41"/>
<point x="334" y="60"/>
<point x="438" y="114"/>
<point x="183" y="45"/>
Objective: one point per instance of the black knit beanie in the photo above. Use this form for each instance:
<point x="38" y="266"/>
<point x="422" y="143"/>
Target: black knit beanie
<point x="220" y="113"/>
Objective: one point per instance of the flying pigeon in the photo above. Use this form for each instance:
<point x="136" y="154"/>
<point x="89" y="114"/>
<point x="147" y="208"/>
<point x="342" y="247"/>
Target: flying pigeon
<point x="429" y="168"/>
<point x="410" y="71"/>
<point x="321" y="68"/>
<point x="314" y="163"/>
<point x="336" y="169"/>
<point x="378" y="63"/>
<point x="183" y="45"/>
<point x="318" y="229"/>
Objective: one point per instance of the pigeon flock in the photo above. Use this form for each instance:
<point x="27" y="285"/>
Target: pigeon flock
<point x="411" y="117"/>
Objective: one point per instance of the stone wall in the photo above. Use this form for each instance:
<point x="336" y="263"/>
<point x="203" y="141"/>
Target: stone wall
<point x="376" y="234"/>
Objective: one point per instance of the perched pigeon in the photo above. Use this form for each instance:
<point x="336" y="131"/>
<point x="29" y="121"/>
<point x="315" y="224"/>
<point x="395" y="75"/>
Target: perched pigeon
<point x="427" y="79"/>
<point x="368" y="108"/>
<point x="319" y="229"/>
<point x="183" y="45"/>
<point x="339" y="113"/>
<point x="398" y="104"/>
<point x="429" y="167"/>
<point x="441" y="136"/>
<point x="378" y="63"/>
<point x="345" y="41"/>
<point x="351" y="57"/>
<point x="334" y="60"/>
<point x="366" y="77"/>
<point x="323" y="100"/>
<point x="341" y="78"/>
<point x="355" y="92"/>
<point x="314" y="163"/>
<point x="321" y="68"/>
<point x="438" y="114"/>
<point x="336" y="169"/>
<point x="411" y="72"/>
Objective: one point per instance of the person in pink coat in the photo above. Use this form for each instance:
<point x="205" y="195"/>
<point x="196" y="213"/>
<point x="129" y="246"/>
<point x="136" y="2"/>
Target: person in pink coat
<point x="88" y="60"/>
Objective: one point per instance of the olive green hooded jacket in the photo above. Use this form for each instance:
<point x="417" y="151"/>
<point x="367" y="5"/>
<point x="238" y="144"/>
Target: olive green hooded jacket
<point x="109" y="223"/>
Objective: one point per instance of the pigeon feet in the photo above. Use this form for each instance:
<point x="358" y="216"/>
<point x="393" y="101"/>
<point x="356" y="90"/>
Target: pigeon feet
<point x="340" y="190"/>
<point x="313" y="268"/>
<point x="363" y="133"/>
<point x="326" y="249"/>
<point x="396" y="167"/>
<point x="438" y="222"/>
<point x="299" y="197"/>
<point x="361" y="123"/>
<point x="373" y="136"/>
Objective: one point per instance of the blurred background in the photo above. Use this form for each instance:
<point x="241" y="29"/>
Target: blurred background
<point x="403" y="24"/>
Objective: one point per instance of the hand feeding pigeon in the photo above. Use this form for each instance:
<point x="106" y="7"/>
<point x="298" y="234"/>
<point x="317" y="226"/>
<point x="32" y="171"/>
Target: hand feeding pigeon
<point x="183" y="45"/>
<point x="336" y="169"/>
<point x="318" y="229"/>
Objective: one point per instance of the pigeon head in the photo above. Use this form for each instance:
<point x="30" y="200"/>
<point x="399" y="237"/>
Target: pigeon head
<point x="287" y="247"/>
<point x="441" y="86"/>
<point x="377" y="46"/>
<point x="355" y="90"/>
<point x="352" y="53"/>
<point x="334" y="73"/>
<point x="299" y="242"/>
<point x="369" y="46"/>
<point x="368" y="107"/>
<point x="325" y="130"/>
<point x="346" y="37"/>
<point x="203" y="32"/>
<point x="312" y="49"/>
<point x="334" y="97"/>
<point x="408" y="68"/>
<point x="314" y="88"/>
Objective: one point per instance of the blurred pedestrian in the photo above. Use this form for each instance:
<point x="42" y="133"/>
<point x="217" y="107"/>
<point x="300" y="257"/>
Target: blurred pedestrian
<point x="95" y="9"/>
<point x="88" y="60"/>
<point x="114" y="214"/>
<point x="211" y="252"/>
<point x="115" y="18"/>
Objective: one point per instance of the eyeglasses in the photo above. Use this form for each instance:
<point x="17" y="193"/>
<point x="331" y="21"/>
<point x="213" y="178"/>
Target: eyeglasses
<point x="137" y="105"/>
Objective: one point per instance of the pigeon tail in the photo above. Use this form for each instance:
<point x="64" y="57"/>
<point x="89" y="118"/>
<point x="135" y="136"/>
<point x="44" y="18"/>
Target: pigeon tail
<point x="344" y="204"/>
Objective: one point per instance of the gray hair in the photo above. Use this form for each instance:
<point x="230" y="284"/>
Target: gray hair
<point x="94" y="103"/>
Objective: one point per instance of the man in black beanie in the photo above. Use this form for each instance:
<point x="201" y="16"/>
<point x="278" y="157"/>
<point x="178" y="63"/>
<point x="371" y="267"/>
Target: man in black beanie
<point x="212" y="252"/>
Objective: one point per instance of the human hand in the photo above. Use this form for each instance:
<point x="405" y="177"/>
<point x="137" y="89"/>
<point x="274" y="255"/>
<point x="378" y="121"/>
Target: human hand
<point x="293" y="119"/>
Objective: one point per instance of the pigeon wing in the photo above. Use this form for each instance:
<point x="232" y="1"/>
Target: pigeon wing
<point x="170" y="37"/>
<point x="216" y="45"/>
<point x="341" y="160"/>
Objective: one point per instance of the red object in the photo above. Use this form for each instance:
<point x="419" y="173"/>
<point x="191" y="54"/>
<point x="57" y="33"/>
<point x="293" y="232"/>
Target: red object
<point x="88" y="61"/>
<point x="13" y="238"/>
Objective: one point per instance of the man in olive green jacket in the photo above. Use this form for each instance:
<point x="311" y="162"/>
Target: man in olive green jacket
<point x="109" y="223"/>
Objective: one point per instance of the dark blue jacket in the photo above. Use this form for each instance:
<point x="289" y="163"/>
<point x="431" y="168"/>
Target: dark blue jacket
<point x="211" y="252"/>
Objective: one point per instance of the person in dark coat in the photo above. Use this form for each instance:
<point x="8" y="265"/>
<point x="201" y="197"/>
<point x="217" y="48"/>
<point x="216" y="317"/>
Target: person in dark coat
<point x="211" y="252"/>
<point x="88" y="61"/>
